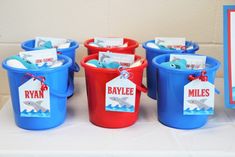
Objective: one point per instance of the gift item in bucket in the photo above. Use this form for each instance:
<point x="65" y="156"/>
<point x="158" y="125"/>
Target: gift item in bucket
<point x="38" y="84"/>
<point x="117" y="45"/>
<point x="114" y="86"/>
<point x="185" y="89"/>
<point x="64" y="46"/>
<point x="161" y="46"/>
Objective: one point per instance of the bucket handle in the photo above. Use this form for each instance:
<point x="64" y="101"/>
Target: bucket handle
<point x="142" y="88"/>
<point x="64" y="94"/>
<point x="76" y="67"/>
<point x="125" y="74"/>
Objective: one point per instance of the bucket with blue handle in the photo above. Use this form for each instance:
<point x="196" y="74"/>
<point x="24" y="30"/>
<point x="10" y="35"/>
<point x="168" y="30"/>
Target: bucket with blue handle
<point x="53" y="80"/>
<point x="170" y="93"/>
<point x="153" y="52"/>
<point x="29" y="45"/>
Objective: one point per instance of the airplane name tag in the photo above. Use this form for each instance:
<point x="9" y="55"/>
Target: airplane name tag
<point x="33" y="101"/>
<point x="120" y="95"/>
<point x="199" y="98"/>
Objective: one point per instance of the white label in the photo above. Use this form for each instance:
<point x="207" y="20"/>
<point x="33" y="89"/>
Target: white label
<point x="33" y="101"/>
<point x="40" y="57"/>
<point x="56" y="42"/>
<point x="123" y="59"/>
<point x="193" y="61"/>
<point x="120" y="95"/>
<point x="199" y="98"/>
<point x="177" y="43"/>
<point x="105" y="42"/>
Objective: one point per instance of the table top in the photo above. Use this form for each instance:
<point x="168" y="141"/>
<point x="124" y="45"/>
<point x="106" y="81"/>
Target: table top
<point x="147" y="137"/>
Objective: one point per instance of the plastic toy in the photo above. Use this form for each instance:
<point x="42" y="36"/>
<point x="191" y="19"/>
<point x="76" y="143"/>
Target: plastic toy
<point x="111" y="65"/>
<point x="95" y="63"/>
<point x="98" y="64"/>
<point x="137" y="63"/>
<point x="176" y="64"/>
<point x="18" y="62"/>
<point x="46" y="45"/>
<point x="56" y="64"/>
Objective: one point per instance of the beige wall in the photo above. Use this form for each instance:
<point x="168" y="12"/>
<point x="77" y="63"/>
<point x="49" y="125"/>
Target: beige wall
<point x="197" y="20"/>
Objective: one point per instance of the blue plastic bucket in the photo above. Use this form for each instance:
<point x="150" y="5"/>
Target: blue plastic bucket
<point x="57" y="81"/>
<point x="233" y="93"/>
<point x="150" y="54"/>
<point x="70" y="52"/>
<point x="170" y="88"/>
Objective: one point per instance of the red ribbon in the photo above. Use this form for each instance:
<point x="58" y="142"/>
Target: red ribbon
<point x="42" y="79"/>
<point x="202" y="77"/>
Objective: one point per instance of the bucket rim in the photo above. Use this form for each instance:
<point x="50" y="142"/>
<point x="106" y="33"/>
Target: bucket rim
<point x="95" y="56"/>
<point x="75" y="46"/>
<point x="18" y="70"/>
<point x="86" y="44"/>
<point x="214" y="68"/>
<point x="195" y="48"/>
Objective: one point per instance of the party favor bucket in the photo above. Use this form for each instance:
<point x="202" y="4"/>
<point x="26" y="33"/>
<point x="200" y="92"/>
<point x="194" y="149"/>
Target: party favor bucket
<point x="96" y="79"/>
<point x="130" y="49"/>
<point x="170" y="93"/>
<point x="39" y="97"/>
<point x="150" y="54"/>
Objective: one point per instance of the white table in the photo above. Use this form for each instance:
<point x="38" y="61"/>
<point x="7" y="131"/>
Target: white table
<point x="78" y="137"/>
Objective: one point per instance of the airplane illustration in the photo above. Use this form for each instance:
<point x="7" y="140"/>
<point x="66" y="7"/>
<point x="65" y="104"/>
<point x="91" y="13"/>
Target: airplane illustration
<point x="24" y="56"/>
<point x="121" y="101"/>
<point x="36" y="105"/>
<point x="200" y="103"/>
<point x="102" y="58"/>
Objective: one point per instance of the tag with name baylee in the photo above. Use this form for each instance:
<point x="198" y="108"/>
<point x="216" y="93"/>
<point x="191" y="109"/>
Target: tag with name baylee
<point x="199" y="98"/>
<point x="120" y="95"/>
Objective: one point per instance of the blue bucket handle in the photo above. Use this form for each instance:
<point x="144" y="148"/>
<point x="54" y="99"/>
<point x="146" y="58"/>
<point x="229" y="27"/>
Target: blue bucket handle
<point x="70" y="88"/>
<point x="62" y="94"/>
<point x="68" y="92"/>
<point x="76" y="67"/>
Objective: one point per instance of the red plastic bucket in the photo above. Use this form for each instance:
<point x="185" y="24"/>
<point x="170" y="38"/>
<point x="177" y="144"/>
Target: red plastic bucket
<point x="130" y="49"/>
<point x="96" y="79"/>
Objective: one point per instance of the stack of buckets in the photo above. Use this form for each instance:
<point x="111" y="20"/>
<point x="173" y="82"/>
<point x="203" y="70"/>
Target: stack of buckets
<point x="130" y="49"/>
<point x="70" y="52"/>
<point x="167" y="86"/>
<point x="96" y="87"/>
<point x="164" y="84"/>
<point x="59" y="80"/>
<point x="170" y="91"/>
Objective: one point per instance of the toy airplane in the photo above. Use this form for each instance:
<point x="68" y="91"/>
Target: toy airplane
<point x="102" y="58"/>
<point x="121" y="101"/>
<point x="18" y="62"/>
<point x="98" y="64"/>
<point x="200" y="103"/>
<point x="36" y="105"/>
<point x="176" y="64"/>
